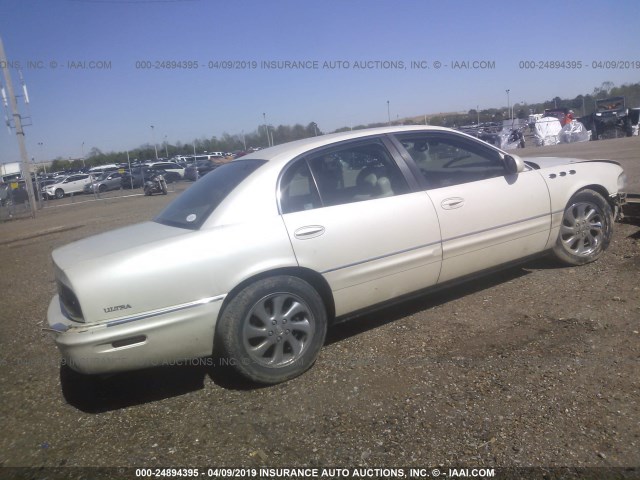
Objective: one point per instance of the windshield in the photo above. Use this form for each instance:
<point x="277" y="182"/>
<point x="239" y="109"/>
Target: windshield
<point x="610" y="104"/>
<point x="193" y="207"/>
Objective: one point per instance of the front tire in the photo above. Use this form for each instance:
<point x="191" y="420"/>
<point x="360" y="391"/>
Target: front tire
<point x="59" y="193"/>
<point x="273" y="330"/>
<point x="586" y="229"/>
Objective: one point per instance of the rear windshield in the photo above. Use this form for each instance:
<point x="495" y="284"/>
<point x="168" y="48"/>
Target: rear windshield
<point x="193" y="207"/>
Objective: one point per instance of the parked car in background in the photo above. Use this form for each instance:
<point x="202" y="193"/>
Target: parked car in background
<point x="68" y="185"/>
<point x="44" y="183"/>
<point x="14" y="192"/>
<point x="174" y="172"/>
<point x="611" y="119"/>
<point x="138" y="175"/>
<point x="559" y="113"/>
<point x="203" y="167"/>
<point x="240" y="153"/>
<point x="278" y="244"/>
<point x="107" y="181"/>
<point x="100" y="169"/>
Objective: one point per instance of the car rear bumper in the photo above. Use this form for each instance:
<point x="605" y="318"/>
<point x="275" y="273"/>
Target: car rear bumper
<point x="136" y="342"/>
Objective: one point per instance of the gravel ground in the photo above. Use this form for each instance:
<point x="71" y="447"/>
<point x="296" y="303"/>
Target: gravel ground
<point x="537" y="365"/>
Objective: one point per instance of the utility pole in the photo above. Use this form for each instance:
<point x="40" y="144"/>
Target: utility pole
<point x="266" y="128"/>
<point x="26" y="169"/>
<point x="155" y="146"/>
<point x="508" y="103"/>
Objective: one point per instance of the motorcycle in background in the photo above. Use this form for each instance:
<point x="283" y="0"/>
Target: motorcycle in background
<point x="156" y="184"/>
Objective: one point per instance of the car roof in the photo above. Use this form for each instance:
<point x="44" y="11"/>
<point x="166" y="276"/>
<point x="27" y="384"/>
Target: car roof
<point x="286" y="151"/>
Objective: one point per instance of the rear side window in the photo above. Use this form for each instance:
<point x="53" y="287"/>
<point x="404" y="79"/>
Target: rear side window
<point x="356" y="173"/>
<point x="346" y="174"/>
<point x="298" y="190"/>
<point x="193" y="207"/>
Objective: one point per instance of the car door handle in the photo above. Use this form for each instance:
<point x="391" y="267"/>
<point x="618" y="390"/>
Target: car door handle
<point x="451" y="203"/>
<point x="310" y="231"/>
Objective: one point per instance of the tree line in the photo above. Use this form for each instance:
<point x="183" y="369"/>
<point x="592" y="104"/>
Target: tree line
<point x="226" y="143"/>
<point x="260" y="138"/>
<point x="582" y="105"/>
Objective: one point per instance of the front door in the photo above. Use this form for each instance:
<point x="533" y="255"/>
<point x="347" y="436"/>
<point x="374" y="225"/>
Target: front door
<point x="487" y="217"/>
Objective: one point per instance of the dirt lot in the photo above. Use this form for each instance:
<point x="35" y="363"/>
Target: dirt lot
<point x="534" y="366"/>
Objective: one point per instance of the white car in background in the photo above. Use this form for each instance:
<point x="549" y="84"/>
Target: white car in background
<point x="73" y="183"/>
<point x="176" y="170"/>
<point x="276" y="245"/>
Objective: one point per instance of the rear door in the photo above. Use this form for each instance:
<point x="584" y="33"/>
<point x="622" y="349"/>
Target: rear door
<point x="351" y="216"/>
<point x="76" y="183"/>
<point x="487" y="217"/>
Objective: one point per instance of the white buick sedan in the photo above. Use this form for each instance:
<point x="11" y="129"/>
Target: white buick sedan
<point x="261" y="254"/>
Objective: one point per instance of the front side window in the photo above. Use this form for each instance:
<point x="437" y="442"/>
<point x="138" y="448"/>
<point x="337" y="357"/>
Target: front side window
<point x="75" y="178"/>
<point x="193" y="207"/>
<point x="447" y="160"/>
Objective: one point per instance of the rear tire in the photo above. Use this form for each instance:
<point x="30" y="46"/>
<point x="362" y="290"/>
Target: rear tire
<point x="586" y="229"/>
<point x="273" y="330"/>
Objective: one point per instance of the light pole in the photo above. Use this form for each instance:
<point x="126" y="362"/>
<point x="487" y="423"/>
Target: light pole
<point x="508" y="102"/>
<point x="266" y="128"/>
<point x="195" y="160"/>
<point x="44" y="165"/>
<point x="35" y="176"/>
<point x="388" y="114"/>
<point x="153" y="135"/>
<point x="166" y="147"/>
<point x="478" y="112"/>
<point x="83" y="165"/>
<point x="315" y="128"/>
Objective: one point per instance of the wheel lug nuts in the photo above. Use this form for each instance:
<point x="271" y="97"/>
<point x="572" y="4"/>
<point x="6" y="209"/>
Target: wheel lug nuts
<point x="273" y="322"/>
<point x="284" y="320"/>
<point x="287" y="332"/>
<point x="270" y="332"/>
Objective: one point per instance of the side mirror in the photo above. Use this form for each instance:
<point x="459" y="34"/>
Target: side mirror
<point x="514" y="164"/>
